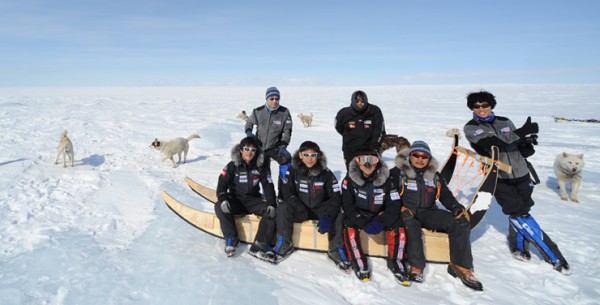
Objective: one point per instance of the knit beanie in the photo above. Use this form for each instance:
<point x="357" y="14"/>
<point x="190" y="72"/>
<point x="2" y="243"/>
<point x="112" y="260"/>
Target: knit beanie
<point x="419" y="146"/>
<point x="272" y="91"/>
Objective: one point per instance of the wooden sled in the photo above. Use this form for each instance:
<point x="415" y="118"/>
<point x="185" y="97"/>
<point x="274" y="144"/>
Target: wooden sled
<point x="306" y="236"/>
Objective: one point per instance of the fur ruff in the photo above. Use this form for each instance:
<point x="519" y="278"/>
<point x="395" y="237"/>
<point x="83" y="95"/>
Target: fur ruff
<point x="401" y="162"/>
<point x="381" y="173"/>
<point x="316" y="170"/>
<point x="236" y="156"/>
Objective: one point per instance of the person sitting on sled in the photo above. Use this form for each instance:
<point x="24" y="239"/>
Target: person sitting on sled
<point x="420" y="185"/>
<point x="310" y="191"/>
<point x="371" y="205"/>
<point x="513" y="190"/>
<point x="238" y="192"/>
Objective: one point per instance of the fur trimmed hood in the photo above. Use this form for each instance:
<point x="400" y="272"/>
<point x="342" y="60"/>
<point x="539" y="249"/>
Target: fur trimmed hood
<point x="316" y="170"/>
<point x="236" y="156"/>
<point x="381" y="173"/>
<point x="401" y="162"/>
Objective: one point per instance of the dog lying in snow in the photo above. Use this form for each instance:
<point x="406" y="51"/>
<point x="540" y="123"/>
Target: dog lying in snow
<point x="392" y="140"/>
<point x="568" y="168"/>
<point x="242" y="116"/>
<point x="174" y="147"/>
<point x="306" y="119"/>
<point x="65" y="149"/>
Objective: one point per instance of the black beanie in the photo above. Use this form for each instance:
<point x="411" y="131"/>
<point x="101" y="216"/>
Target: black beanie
<point x="309" y="145"/>
<point x="480" y="97"/>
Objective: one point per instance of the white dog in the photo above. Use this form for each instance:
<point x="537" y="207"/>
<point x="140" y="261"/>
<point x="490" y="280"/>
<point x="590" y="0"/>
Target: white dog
<point x="174" y="147"/>
<point x="65" y="148"/>
<point x="306" y="119"/>
<point x="568" y="168"/>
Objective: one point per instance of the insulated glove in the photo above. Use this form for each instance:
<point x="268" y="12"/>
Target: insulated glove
<point x="225" y="207"/>
<point x="374" y="227"/>
<point x="461" y="215"/>
<point x="324" y="224"/>
<point x="283" y="156"/>
<point x="249" y="134"/>
<point x="269" y="212"/>
<point x="527" y="128"/>
<point x="283" y="168"/>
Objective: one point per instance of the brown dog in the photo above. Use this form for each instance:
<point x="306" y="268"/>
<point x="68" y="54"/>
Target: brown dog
<point x="392" y="140"/>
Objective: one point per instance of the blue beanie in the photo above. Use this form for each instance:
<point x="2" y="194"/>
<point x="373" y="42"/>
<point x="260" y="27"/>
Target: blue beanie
<point x="272" y="91"/>
<point x="419" y="146"/>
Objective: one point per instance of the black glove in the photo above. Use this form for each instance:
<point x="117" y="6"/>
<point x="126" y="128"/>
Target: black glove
<point x="406" y="215"/>
<point x="527" y="128"/>
<point x="283" y="156"/>
<point x="461" y="215"/>
<point x="526" y="145"/>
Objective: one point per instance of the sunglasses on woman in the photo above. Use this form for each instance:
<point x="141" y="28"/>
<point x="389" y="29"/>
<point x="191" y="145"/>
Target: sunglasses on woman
<point x="252" y="149"/>
<point x="482" y="105"/>
<point x="310" y="155"/>
<point x="420" y="156"/>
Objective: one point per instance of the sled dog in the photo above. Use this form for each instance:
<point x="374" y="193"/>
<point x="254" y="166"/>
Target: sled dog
<point x="65" y="149"/>
<point x="306" y="119"/>
<point x="242" y="116"/>
<point x="174" y="147"/>
<point x="392" y="140"/>
<point x="568" y="168"/>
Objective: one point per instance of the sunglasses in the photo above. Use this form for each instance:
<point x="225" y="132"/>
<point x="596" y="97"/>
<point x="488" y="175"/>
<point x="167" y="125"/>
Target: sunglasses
<point x="482" y="105"/>
<point x="420" y="156"/>
<point x="367" y="160"/>
<point x="252" y="149"/>
<point x="311" y="155"/>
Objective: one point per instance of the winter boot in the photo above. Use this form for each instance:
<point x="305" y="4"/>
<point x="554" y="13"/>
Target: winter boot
<point x="399" y="271"/>
<point x="338" y="256"/>
<point x="259" y="250"/>
<point x="521" y="255"/>
<point x="231" y="246"/>
<point x="466" y="276"/>
<point x="282" y="250"/>
<point x="416" y="274"/>
<point x="563" y="267"/>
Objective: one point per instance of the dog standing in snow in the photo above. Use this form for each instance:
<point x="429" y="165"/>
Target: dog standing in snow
<point x="306" y="119"/>
<point x="174" y="147"/>
<point x="65" y="149"/>
<point x="568" y="168"/>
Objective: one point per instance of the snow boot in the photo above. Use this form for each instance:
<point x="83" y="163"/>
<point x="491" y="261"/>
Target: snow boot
<point x="563" y="267"/>
<point x="399" y="271"/>
<point x="415" y="274"/>
<point x="338" y="256"/>
<point x="231" y="246"/>
<point x="259" y="250"/>
<point x="282" y="250"/>
<point x="466" y="276"/>
<point x="521" y="255"/>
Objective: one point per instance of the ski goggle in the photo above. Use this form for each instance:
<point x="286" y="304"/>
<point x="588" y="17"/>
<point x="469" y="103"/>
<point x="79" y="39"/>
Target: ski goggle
<point x="310" y="155"/>
<point x="252" y="149"/>
<point x="367" y="160"/>
<point x="420" y="156"/>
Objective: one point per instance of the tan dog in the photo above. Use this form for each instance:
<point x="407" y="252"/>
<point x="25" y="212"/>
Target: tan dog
<point x="392" y="140"/>
<point x="306" y="119"/>
<point x="242" y="116"/>
<point x="568" y="168"/>
<point x="174" y="147"/>
<point x="65" y="149"/>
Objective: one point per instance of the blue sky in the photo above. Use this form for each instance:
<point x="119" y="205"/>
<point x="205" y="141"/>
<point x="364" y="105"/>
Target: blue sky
<point x="183" y="43"/>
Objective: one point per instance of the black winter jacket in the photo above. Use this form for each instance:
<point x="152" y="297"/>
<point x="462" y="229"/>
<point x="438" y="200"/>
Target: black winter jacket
<point x="241" y="181"/>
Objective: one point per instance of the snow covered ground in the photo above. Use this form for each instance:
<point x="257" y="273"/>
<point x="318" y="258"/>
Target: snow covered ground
<point x="99" y="233"/>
